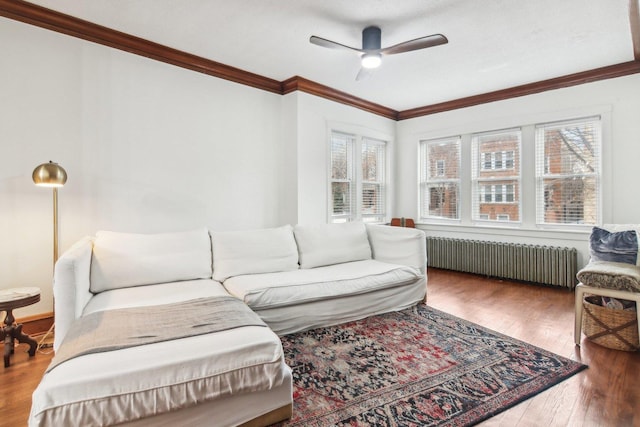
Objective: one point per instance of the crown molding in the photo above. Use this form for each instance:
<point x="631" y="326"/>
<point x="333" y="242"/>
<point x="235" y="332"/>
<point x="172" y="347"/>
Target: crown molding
<point x="634" y="22"/>
<point x="39" y="16"/>
<point x="59" y="22"/>
<point x="609" y="72"/>
<point x="313" y="88"/>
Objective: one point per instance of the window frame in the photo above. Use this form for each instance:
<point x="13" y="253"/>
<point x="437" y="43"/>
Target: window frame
<point x="484" y="190"/>
<point x="426" y="184"/>
<point x="527" y="191"/>
<point x="543" y="171"/>
<point x="360" y="137"/>
<point x="350" y="141"/>
<point x="366" y="217"/>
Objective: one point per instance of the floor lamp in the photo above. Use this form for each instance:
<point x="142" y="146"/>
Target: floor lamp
<point x="54" y="176"/>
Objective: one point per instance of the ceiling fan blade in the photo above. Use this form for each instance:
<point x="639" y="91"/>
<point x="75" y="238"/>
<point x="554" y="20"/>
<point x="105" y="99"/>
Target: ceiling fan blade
<point x="319" y="41"/>
<point x="364" y="73"/>
<point x="419" y="43"/>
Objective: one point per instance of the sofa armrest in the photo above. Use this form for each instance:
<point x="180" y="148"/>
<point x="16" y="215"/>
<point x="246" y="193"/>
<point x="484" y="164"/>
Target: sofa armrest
<point x="71" y="286"/>
<point x="398" y="245"/>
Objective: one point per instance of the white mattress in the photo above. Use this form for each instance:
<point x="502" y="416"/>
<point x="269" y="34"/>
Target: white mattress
<point x="128" y="384"/>
<point x="282" y="289"/>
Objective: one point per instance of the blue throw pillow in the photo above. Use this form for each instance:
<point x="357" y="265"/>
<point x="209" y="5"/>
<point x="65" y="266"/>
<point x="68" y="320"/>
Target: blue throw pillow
<point x="614" y="247"/>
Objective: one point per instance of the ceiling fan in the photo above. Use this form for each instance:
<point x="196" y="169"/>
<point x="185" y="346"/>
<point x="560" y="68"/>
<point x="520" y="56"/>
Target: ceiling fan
<point x="372" y="52"/>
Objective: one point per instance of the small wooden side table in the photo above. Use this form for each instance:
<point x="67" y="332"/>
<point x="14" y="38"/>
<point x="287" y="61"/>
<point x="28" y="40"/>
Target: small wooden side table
<point x="11" y="299"/>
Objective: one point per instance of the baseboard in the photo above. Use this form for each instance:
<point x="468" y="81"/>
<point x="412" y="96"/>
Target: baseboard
<point x="37" y="324"/>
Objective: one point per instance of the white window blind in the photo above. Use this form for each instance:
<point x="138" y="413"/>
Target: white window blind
<point x="358" y="178"/>
<point x="342" y="207"/>
<point x="374" y="159"/>
<point x="496" y="176"/>
<point x="568" y="172"/>
<point x="440" y="178"/>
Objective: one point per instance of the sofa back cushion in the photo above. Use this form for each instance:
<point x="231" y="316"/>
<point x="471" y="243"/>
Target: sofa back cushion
<point x="123" y="260"/>
<point x="329" y="244"/>
<point x="398" y="245"/>
<point x="269" y="250"/>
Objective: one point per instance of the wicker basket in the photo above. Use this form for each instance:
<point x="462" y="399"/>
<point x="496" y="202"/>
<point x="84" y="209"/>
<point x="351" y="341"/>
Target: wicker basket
<point x="608" y="327"/>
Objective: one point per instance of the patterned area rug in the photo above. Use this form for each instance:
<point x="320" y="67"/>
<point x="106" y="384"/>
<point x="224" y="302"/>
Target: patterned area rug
<point x="417" y="367"/>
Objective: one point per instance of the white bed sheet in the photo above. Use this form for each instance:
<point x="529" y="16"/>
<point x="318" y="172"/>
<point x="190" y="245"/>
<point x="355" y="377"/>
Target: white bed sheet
<point x="113" y="387"/>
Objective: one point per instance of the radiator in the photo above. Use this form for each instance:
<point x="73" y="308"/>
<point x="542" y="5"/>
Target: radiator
<point x="547" y="265"/>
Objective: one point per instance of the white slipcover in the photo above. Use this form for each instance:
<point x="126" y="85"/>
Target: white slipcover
<point x="254" y="251"/>
<point x="122" y="260"/>
<point x="328" y="244"/>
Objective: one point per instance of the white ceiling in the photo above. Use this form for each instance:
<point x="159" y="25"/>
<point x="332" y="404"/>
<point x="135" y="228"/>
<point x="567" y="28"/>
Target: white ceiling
<point x="493" y="44"/>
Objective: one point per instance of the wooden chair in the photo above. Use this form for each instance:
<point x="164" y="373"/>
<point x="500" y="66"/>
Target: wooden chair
<point x="403" y="222"/>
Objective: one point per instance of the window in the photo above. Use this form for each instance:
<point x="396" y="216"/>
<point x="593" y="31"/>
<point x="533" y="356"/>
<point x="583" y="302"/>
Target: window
<point x="509" y="193"/>
<point x="357" y="193"/>
<point x="373" y="180"/>
<point x="487" y="163"/>
<point x="440" y="178"/>
<point x="545" y="175"/>
<point x="508" y="159"/>
<point x="497" y="193"/>
<point x="496" y="176"/>
<point x="342" y="185"/>
<point x="568" y="172"/>
<point x="497" y="160"/>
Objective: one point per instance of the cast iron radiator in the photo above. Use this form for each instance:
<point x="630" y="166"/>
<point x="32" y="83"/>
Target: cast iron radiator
<point x="548" y="265"/>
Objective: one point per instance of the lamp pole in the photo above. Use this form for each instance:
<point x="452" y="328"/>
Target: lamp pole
<point x="51" y="175"/>
<point x="55" y="226"/>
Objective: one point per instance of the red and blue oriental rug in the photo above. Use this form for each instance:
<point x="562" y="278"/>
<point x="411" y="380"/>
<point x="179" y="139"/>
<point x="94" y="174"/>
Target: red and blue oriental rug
<point x="417" y="367"/>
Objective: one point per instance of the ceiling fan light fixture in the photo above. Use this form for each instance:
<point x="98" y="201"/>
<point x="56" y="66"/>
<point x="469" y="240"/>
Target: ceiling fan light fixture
<point x="371" y="60"/>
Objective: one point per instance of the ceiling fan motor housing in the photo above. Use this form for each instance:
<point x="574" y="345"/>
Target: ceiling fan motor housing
<point x="371" y="38"/>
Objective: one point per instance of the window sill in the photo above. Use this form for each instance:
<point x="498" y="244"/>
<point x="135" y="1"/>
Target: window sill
<point x="498" y="230"/>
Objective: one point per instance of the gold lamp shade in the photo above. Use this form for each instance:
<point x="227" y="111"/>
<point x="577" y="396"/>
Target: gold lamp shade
<point x="49" y="175"/>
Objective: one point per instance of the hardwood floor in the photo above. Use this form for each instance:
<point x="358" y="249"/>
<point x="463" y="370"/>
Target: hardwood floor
<point x="18" y="382"/>
<point x="606" y="394"/>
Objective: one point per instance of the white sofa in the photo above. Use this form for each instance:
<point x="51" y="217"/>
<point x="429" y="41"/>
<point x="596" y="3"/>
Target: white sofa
<point x="293" y="278"/>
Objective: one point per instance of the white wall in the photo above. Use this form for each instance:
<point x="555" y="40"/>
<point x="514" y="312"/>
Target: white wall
<point x="316" y="116"/>
<point x="148" y="147"/>
<point x="619" y="99"/>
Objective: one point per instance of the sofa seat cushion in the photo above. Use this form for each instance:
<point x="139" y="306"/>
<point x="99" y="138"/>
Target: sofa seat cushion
<point x="261" y="291"/>
<point x="163" y="293"/>
<point x="160" y="377"/>
<point x="123" y="260"/>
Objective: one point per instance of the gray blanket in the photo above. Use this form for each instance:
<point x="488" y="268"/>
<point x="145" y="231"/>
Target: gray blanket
<point x="612" y="275"/>
<point x="129" y="327"/>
